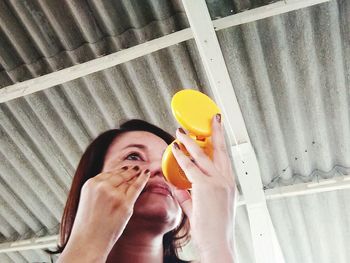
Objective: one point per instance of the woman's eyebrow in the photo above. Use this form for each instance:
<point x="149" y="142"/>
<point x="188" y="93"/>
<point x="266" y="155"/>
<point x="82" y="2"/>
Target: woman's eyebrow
<point x="140" y="146"/>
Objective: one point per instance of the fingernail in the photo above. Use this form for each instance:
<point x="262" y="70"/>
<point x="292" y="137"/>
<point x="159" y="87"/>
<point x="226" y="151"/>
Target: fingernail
<point x="192" y="160"/>
<point x="125" y="168"/>
<point x="218" y="117"/>
<point x="182" y="130"/>
<point x="147" y="172"/>
<point x="136" y="168"/>
<point x="176" y="146"/>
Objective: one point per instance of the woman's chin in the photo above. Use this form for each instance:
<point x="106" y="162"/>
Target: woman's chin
<point x="155" y="206"/>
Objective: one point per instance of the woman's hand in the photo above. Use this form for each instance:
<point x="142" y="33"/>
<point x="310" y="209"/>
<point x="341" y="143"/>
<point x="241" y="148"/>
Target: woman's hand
<point x="105" y="207"/>
<point x="211" y="208"/>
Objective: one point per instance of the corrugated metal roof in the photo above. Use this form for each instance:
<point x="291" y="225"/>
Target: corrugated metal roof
<point x="313" y="228"/>
<point x="39" y="37"/>
<point x="290" y="73"/>
<point x="223" y="8"/>
<point x="291" y="77"/>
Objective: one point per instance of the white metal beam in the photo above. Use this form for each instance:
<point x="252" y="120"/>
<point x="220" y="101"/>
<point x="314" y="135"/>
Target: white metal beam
<point x="28" y="244"/>
<point x="59" y="77"/>
<point x="265" y="243"/>
<point x="324" y="185"/>
<point x="262" y="12"/>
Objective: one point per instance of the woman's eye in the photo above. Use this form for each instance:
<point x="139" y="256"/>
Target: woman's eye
<point x="134" y="157"/>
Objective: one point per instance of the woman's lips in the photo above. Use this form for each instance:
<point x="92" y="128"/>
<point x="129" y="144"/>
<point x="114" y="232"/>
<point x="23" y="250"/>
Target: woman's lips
<point x="158" y="190"/>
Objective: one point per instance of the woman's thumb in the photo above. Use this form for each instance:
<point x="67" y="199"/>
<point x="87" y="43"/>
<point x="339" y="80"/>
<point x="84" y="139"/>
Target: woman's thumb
<point x="185" y="201"/>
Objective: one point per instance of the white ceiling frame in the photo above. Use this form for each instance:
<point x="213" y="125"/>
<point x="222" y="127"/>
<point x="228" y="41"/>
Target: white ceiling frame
<point x="265" y="243"/>
<point x="301" y="189"/>
<point x="277" y="8"/>
<point x="59" y="77"/>
<point x="68" y="74"/>
<point x="29" y="244"/>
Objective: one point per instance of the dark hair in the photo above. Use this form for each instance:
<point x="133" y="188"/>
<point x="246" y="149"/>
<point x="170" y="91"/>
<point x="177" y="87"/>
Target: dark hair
<point x="91" y="164"/>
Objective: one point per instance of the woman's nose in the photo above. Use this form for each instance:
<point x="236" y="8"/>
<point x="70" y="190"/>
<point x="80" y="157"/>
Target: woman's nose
<point x="156" y="168"/>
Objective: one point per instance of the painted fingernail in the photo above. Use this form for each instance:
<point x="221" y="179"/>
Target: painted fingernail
<point x="218" y="117"/>
<point x="136" y="168"/>
<point x="182" y="130"/>
<point x="147" y="172"/>
<point x="125" y="168"/>
<point x="176" y="146"/>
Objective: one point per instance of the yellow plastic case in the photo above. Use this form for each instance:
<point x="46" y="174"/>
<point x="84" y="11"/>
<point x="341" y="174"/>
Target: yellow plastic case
<point x="194" y="111"/>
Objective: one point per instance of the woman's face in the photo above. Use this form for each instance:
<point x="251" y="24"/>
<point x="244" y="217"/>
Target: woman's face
<point x="145" y="150"/>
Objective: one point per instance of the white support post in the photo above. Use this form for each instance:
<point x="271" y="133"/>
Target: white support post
<point x="29" y="244"/>
<point x="265" y="243"/>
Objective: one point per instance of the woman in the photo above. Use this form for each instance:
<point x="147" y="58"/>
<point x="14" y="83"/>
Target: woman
<point x="121" y="209"/>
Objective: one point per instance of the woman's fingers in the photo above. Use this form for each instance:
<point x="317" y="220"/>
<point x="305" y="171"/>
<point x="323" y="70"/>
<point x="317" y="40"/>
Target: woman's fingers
<point x="202" y="160"/>
<point x="218" y="141"/>
<point x="185" y="201"/>
<point x="129" y="181"/>
<point x="136" y="186"/>
<point x="120" y="176"/>
<point x="193" y="173"/>
<point x="221" y="159"/>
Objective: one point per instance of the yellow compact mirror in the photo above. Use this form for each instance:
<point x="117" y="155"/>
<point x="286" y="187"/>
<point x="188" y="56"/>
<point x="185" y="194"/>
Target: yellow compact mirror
<point x="194" y="111"/>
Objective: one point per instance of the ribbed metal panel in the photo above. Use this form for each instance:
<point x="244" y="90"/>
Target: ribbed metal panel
<point x="223" y="8"/>
<point x="290" y="73"/>
<point x="33" y="256"/>
<point x="313" y="228"/>
<point x="39" y="37"/>
<point x="291" y="77"/>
